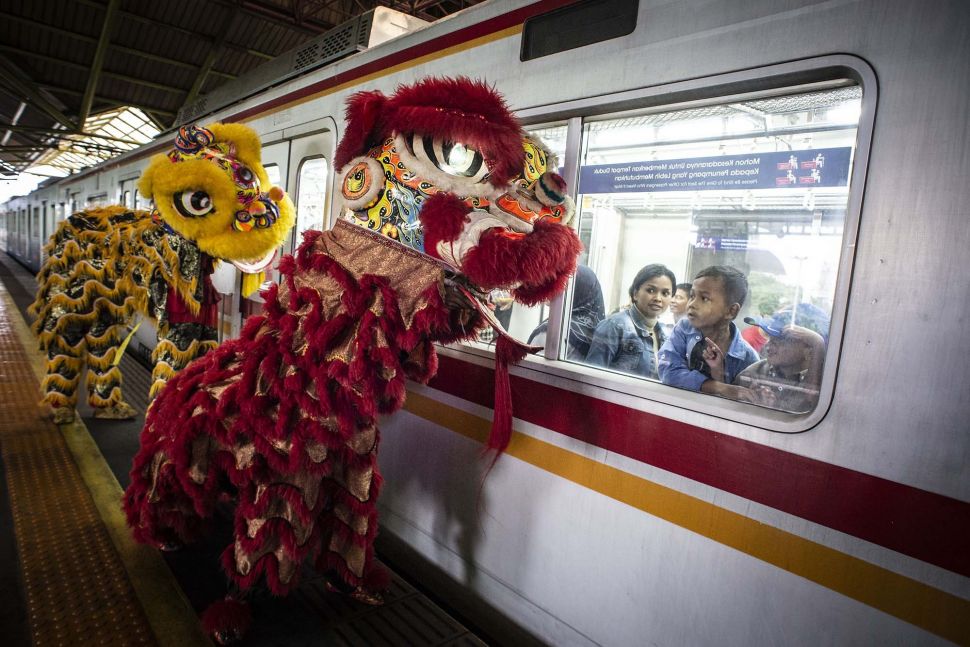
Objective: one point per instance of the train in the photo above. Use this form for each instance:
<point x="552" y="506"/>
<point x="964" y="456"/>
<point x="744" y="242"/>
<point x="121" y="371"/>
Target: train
<point x="817" y="146"/>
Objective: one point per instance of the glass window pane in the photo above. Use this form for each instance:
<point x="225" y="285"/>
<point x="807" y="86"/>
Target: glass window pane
<point x="273" y="171"/>
<point x="760" y="186"/>
<point x="312" y="194"/>
<point x="523" y="322"/>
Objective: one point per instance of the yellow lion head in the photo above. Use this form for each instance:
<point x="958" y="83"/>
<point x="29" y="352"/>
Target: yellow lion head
<point x="212" y="189"/>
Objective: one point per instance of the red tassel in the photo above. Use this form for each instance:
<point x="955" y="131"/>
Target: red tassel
<point x="506" y="352"/>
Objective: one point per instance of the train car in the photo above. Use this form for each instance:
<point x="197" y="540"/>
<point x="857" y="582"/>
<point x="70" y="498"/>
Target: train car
<point x="816" y="147"/>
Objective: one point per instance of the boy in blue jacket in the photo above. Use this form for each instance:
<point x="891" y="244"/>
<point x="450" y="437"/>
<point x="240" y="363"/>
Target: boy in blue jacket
<point x="693" y="357"/>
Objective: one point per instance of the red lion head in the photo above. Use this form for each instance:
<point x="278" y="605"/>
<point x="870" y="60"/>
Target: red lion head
<point x="444" y="167"/>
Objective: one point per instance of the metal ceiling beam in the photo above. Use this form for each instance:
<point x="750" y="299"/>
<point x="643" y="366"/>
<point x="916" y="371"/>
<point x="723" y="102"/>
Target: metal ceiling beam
<point x="334" y="7"/>
<point x="41" y="57"/>
<point x="13" y="122"/>
<point x="144" y="82"/>
<point x="277" y="16"/>
<point x="28" y="139"/>
<point x="113" y="46"/>
<point x="9" y="73"/>
<point x="214" y="52"/>
<point x="115" y="102"/>
<point x="416" y="9"/>
<point x="95" y="74"/>
<point x="127" y="15"/>
<point x="79" y="66"/>
<point x="51" y="28"/>
<point x="25" y="149"/>
<point x="157" y="121"/>
<point x="50" y="132"/>
<point x="169" y="61"/>
<point x="16" y="155"/>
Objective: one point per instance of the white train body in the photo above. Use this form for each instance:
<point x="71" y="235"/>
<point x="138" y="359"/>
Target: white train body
<point x="627" y="511"/>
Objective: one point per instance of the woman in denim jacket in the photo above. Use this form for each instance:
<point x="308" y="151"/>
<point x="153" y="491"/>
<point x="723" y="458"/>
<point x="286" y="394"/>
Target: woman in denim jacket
<point x="630" y="339"/>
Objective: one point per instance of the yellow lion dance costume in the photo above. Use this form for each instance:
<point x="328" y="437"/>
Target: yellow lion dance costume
<point x="212" y="200"/>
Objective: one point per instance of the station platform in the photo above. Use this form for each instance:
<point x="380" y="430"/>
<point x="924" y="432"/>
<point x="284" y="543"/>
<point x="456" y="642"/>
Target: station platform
<point x="70" y="572"/>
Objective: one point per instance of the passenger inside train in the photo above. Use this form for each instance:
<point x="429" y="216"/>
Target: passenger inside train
<point x="694" y="357"/>
<point x="586" y="313"/>
<point x="629" y="340"/>
<point x="678" y="303"/>
<point x="789" y="376"/>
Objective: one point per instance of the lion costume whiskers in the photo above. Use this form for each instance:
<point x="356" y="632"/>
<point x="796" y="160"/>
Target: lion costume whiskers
<point x="213" y="200"/>
<point x="447" y="198"/>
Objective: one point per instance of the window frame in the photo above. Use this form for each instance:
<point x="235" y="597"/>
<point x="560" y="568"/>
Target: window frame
<point x="773" y="80"/>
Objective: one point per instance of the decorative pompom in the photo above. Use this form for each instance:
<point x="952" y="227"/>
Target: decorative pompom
<point x="192" y="139"/>
<point x="551" y="189"/>
<point x="276" y="193"/>
<point x="227" y="621"/>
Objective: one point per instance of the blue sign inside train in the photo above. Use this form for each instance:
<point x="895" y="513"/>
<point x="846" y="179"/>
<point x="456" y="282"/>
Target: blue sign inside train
<point x="817" y="167"/>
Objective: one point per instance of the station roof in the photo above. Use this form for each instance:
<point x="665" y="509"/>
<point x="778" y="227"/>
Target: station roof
<point x="84" y="80"/>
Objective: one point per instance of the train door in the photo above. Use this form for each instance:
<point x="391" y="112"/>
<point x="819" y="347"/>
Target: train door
<point x="33" y="251"/>
<point x="310" y="175"/>
<point x="275" y="159"/>
<point x="50" y="221"/>
<point x="129" y="192"/>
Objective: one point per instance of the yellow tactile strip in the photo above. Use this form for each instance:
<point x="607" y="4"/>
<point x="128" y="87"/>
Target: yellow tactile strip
<point x="76" y="589"/>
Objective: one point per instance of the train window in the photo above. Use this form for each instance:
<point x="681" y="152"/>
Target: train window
<point x="311" y="194"/>
<point x="577" y="25"/>
<point x="98" y="200"/>
<point x="760" y="186"/>
<point x="127" y="191"/>
<point x="273" y="171"/>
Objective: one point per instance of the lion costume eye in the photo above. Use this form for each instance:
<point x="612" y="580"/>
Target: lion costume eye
<point x="454" y="158"/>
<point x="193" y="204"/>
<point x="244" y="176"/>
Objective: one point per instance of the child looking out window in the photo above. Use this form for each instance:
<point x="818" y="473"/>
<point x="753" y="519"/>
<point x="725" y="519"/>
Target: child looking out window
<point x="705" y="351"/>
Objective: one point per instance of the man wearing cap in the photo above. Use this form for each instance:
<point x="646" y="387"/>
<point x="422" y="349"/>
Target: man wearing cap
<point x="789" y="376"/>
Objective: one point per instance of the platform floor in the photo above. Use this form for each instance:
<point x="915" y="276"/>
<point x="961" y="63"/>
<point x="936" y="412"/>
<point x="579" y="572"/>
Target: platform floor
<point x="70" y="573"/>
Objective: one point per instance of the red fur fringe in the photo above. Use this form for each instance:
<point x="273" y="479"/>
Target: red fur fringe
<point x="542" y="261"/>
<point x="362" y="115"/>
<point x="461" y="110"/>
<point x="258" y="391"/>
<point x="442" y="216"/>
<point x="458" y="110"/>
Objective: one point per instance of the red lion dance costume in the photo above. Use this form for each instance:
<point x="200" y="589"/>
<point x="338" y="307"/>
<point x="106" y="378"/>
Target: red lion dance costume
<point x="448" y="198"/>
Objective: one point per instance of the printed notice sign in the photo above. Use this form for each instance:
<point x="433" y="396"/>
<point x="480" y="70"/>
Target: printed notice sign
<point x="817" y="167"/>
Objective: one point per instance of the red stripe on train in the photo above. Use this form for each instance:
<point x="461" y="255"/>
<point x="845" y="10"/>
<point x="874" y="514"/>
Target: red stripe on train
<point x="921" y="524"/>
<point x="445" y="41"/>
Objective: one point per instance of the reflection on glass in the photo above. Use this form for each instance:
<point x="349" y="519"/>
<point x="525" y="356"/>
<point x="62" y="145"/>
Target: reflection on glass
<point x="312" y="194"/>
<point x="760" y="186"/>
